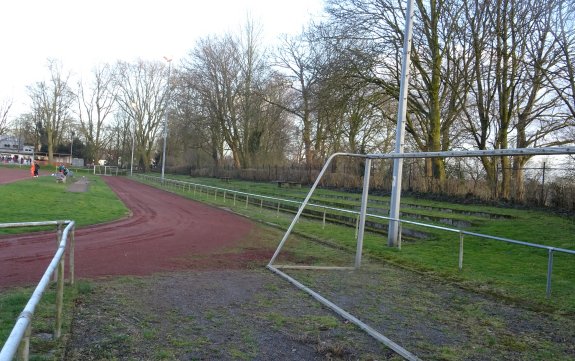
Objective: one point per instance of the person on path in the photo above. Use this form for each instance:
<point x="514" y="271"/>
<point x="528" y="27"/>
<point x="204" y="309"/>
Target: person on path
<point x="32" y="169"/>
<point x="36" y="169"/>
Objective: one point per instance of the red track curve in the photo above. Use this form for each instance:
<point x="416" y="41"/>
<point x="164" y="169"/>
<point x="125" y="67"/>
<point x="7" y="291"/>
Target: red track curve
<point x="162" y="231"/>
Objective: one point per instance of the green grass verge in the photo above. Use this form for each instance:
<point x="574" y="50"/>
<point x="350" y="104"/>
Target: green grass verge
<point x="42" y="344"/>
<point x="42" y="199"/>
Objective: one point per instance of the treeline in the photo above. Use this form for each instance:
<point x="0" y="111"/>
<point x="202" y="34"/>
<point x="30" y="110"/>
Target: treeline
<point x="483" y="75"/>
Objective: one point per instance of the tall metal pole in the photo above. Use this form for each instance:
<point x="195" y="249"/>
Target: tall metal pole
<point x="71" y="147"/>
<point x="169" y="60"/>
<point x="392" y="235"/>
<point x="132" y="158"/>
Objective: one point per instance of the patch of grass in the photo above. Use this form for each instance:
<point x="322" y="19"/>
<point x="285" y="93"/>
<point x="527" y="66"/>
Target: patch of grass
<point x="42" y="345"/>
<point x="239" y="354"/>
<point x="164" y="354"/>
<point x="321" y="323"/>
<point x="277" y="319"/>
<point x="42" y="199"/>
<point x="149" y="334"/>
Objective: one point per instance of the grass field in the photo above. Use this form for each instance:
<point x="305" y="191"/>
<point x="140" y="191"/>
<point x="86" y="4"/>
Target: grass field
<point x="42" y="199"/>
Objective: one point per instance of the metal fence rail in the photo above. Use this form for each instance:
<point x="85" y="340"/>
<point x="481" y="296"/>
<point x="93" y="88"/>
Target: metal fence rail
<point x="225" y="191"/>
<point x="19" y="340"/>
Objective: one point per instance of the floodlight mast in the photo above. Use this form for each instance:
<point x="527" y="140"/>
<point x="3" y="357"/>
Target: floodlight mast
<point x="393" y="230"/>
<point x="169" y="60"/>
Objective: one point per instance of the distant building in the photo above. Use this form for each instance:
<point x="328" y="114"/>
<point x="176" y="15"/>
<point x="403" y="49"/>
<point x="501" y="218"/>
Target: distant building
<point x="12" y="150"/>
<point x="12" y="144"/>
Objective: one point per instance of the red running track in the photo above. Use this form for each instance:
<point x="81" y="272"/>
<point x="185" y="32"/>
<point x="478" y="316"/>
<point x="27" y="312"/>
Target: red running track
<point x="165" y="232"/>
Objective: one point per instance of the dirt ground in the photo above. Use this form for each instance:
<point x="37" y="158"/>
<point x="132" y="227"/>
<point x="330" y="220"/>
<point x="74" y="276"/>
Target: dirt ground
<point x="179" y="280"/>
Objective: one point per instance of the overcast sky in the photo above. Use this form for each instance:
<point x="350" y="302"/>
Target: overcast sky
<point x="84" y="33"/>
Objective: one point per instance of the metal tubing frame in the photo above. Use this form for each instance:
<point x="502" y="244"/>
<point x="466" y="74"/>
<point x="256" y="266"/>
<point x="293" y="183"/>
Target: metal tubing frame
<point x="289" y="266"/>
<point x="305" y="201"/>
<point x="362" y="212"/>
<point x="20" y="333"/>
<point x="446" y="154"/>
<point x="348" y="316"/>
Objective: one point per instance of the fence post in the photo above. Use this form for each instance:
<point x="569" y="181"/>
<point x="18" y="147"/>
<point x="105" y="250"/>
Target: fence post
<point x="399" y="236"/>
<point x="24" y="348"/>
<point x="234" y="199"/>
<point x="71" y="256"/>
<point x="59" y="239"/>
<point x="225" y="196"/>
<point x="278" y="211"/>
<point x="215" y="194"/>
<point x="549" y="270"/>
<point x="59" y="299"/>
<point x="247" y="197"/>
<point x="261" y="204"/>
<point x="460" y="251"/>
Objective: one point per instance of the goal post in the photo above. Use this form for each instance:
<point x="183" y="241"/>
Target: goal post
<point x="105" y="170"/>
<point x="382" y="156"/>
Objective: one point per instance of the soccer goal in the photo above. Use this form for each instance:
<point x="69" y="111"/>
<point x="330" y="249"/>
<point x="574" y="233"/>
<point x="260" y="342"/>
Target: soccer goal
<point x="105" y="170"/>
<point x="361" y="221"/>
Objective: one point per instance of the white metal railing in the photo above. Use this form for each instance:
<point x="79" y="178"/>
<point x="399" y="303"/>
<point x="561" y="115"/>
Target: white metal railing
<point x="18" y="341"/>
<point x="224" y="191"/>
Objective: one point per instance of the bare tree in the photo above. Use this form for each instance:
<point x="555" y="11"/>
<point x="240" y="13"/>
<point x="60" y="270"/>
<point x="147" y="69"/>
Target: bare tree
<point x="538" y="121"/>
<point x="142" y="94"/>
<point x="300" y="63"/>
<point x="194" y="109"/>
<point x="215" y="77"/>
<point x="228" y="75"/>
<point x="51" y="102"/>
<point x="375" y="28"/>
<point x="4" y="110"/>
<point x="511" y="100"/>
<point x="95" y="105"/>
<point x="564" y="33"/>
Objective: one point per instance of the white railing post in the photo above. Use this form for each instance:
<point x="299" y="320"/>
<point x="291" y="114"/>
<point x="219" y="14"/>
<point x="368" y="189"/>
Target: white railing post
<point x="549" y="271"/>
<point x="24" y="348"/>
<point x="71" y="256"/>
<point x="460" y="251"/>
<point x="59" y="299"/>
